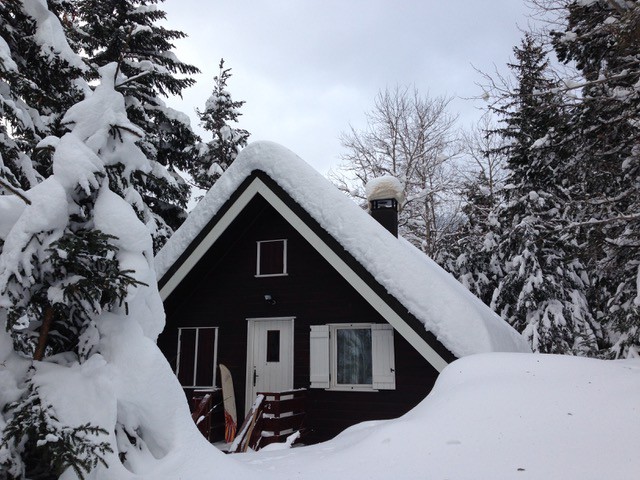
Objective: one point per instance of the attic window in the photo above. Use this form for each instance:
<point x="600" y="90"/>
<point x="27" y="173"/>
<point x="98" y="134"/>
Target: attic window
<point x="271" y="258"/>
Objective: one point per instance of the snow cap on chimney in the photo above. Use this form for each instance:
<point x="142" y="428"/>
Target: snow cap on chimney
<point x="384" y="194"/>
<point x="384" y="188"/>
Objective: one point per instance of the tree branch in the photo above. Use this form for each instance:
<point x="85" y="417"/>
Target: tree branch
<point x="131" y="79"/>
<point x="622" y="218"/>
<point x="7" y="186"/>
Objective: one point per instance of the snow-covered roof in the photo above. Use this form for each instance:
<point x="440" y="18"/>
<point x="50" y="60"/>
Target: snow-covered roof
<point x="458" y="319"/>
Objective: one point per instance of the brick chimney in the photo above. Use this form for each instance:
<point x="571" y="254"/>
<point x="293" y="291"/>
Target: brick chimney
<point x="384" y="195"/>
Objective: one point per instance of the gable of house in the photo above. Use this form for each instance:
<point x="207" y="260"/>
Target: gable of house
<point x="276" y="263"/>
<point x="445" y="308"/>
<point x="222" y="299"/>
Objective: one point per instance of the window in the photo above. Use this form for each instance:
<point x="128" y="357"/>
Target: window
<point x="352" y="357"/>
<point x="197" y="356"/>
<point x="271" y="258"/>
<point x="273" y="345"/>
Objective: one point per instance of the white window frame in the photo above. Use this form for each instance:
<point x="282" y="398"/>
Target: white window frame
<point x="333" y="349"/>
<point x="195" y="356"/>
<point x="323" y="357"/>
<point x="284" y="258"/>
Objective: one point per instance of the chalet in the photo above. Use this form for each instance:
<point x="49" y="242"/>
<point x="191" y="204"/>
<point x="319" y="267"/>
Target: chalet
<point x="279" y="276"/>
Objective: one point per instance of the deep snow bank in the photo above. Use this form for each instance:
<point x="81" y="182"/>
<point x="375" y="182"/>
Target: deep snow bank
<point x="493" y="416"/>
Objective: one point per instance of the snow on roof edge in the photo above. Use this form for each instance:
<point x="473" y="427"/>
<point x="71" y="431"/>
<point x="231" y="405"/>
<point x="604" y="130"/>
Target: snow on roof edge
<point x="454" y="315"/>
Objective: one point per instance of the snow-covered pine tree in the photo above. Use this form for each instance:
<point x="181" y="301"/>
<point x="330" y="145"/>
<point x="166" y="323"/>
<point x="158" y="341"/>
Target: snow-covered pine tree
<point x="39" y="81"/>
<point x="543" y="291"/>
<point x="472" y="258"/>
<point x="75" y="253"/>
<point x="220" y="110"/>
<point x="602" y="39"/>
<point x="16" y="170"/>
<point x="127" y="32"/>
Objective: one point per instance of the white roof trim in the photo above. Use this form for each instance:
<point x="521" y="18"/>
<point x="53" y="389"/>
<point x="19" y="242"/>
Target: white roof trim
<point x="209" y="240"/>
<point x="257" y="186"/>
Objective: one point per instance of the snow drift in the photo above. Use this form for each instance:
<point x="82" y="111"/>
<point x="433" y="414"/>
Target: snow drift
<point x="493" y="416"/>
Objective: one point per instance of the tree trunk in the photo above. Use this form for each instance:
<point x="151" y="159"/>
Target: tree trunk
<point x="44" y="333"/>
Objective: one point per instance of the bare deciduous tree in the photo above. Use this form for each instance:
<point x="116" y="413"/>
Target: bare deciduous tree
<point x="411" y="137"/>
<point x="484" y="159"/>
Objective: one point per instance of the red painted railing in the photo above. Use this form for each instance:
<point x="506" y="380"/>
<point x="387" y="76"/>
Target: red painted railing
<point x="273" y="418"/>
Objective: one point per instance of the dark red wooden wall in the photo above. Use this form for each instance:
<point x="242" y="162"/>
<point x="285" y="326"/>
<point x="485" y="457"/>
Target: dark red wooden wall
<point x="223" y="291"/>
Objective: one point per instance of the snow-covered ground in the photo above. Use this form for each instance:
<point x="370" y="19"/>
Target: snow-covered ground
<point x="492" y="416"/>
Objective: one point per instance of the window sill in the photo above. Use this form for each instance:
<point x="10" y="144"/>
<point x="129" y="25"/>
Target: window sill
<point x="343" y="388"/>
<point x="271" y="275"/>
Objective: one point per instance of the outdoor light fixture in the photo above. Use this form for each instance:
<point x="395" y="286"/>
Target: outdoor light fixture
<point x="269" y="299"/>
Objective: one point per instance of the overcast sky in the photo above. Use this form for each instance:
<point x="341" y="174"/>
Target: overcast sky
<point x="307" y="69"/>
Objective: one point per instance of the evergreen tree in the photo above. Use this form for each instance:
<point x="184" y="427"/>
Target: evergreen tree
<point x="39" y="81"/>
<point x="601" y="39"/>
<point x="126" y="32"/>
<point x="215" y="156"/>
<point x="543" y="291"/>
<point x="472" y="257"/>
<point x="61" y="269"/>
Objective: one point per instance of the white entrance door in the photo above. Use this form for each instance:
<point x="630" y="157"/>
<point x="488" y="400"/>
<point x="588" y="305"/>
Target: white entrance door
<point x="269" y="356"/>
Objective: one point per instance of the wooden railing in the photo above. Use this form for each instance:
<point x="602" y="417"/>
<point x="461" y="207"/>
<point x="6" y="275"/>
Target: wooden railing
<point x="204" y="403"/>
<point x="273" y="417"/>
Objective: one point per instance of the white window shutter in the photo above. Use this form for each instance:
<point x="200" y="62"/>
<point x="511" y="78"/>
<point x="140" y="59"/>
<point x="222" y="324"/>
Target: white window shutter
<point x="319" y="356"/>
<point x="384" y="365"/>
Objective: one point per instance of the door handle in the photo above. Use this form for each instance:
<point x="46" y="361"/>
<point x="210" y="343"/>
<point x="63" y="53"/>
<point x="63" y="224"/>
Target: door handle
<point x="255" y="376"/>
